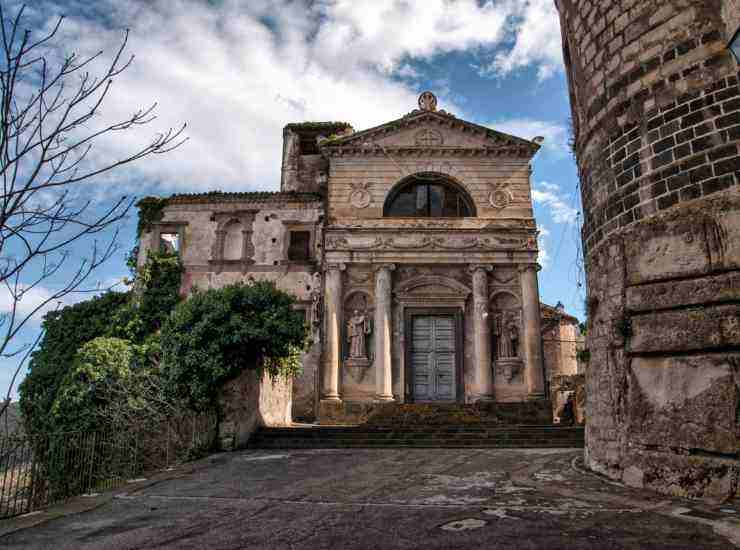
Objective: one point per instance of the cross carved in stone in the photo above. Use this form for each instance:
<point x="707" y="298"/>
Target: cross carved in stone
<point x="428" y="138"/>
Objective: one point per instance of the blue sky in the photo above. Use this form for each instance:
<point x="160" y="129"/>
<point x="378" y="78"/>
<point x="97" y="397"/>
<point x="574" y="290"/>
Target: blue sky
<point x="237" y="72"/>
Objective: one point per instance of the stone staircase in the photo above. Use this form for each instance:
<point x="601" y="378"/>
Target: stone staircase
<point x="430" y="426"/>
<point x="450" y="436"/>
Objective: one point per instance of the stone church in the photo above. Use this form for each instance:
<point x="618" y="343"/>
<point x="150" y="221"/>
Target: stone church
<point x="411" y="247"/>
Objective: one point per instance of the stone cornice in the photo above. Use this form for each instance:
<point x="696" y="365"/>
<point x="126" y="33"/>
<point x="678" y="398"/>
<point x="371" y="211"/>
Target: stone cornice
<point x="518" y="151"/>
<point x="364" y="142"/>
<point x="416" y="242"/>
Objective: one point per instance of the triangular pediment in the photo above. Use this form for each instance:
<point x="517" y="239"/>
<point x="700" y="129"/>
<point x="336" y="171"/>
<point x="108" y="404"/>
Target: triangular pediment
<point x="430" y="130"/>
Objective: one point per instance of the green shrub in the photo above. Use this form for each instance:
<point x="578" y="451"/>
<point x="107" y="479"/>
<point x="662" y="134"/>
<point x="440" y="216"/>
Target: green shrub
<point x="157" y="293"/>
<point x="100" y="378"/>
<point x="65" y="331"/>
<point x="216" y="334"/>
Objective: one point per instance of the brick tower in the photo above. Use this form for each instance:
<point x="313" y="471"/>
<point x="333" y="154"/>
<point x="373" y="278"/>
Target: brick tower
<point x="656" y="119"/>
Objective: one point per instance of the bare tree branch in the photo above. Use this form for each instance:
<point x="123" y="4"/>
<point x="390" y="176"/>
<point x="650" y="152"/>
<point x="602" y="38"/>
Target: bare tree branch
<point x="46" y="104"/>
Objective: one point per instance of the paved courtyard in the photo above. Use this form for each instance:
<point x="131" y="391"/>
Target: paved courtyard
<point x="395" y="498"/>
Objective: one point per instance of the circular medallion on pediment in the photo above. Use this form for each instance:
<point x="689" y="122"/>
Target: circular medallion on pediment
<point x="360" y="198"/>
<point x="428" y="101"/>
<point x="428" y="138"/>
<point x="499" y="198"/>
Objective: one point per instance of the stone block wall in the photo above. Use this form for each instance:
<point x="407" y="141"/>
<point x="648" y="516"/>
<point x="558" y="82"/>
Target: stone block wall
<point x="250" y="401"/>
<point x="656" y="118"/>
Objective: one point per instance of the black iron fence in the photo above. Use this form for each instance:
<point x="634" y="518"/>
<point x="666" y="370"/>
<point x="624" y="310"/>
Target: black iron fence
<point x="38" y="471"/>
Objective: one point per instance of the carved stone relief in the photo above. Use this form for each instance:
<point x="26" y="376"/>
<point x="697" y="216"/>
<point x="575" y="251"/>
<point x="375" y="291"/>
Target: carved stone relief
<point x="428" y="137"/>
<point x="500" y="198"/>
<point x="360" y="197"/>
<point x="427" y="242"/>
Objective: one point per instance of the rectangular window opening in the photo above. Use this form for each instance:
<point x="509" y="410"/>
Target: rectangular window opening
<point x="299" y="249"/>
<point x="169" y="243"/>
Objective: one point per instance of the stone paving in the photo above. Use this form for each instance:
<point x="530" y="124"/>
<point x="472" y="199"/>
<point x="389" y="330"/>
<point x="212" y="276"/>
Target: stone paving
<point x="390" y="498"/>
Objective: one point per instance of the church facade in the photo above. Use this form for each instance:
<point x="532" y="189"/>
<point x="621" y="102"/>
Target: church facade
<point x="411" y="247"/>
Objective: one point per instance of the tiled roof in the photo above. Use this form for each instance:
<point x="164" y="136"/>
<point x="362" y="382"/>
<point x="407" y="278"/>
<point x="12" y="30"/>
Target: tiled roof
<point x="253" y="196"/>
<point x="549" y="312"/>
<point x="309" y="125"/>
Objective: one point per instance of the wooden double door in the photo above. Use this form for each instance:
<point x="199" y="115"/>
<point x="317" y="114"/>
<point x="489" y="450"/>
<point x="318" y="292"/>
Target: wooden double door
<point x="433" y="357"/>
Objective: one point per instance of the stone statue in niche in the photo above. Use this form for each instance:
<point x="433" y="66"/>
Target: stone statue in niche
<point x="512" y="337"/>
<point x="358" y="327"/>
<point x="506" y="336"/>
<point x="505" y="330"/>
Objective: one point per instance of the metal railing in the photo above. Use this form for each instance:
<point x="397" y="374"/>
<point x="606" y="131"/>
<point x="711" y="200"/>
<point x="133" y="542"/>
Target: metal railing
<point x="38" y="471"/>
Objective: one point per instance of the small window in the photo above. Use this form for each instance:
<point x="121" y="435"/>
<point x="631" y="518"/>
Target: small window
<point x="428" y="196"/>
<point x="309" y="145"/>
<point x="169" y="243"/>
<point x="299" y="249"/>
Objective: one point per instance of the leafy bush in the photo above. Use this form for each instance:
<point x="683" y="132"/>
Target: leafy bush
<point x="218" y="333"/>
<point x="156" y="295"/>
<point x="133" y="316"/>
<point x="65" y="331"/>
<point x="100" y="377"/>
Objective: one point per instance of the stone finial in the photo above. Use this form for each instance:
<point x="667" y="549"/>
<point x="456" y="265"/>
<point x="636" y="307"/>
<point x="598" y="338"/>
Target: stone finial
<point x="427" y="101"/>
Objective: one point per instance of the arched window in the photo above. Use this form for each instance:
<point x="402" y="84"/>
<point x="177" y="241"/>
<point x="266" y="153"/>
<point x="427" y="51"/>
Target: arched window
<point x="428" y="195"/>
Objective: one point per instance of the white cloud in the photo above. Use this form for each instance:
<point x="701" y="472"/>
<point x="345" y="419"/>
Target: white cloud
<point x="39" y="300"/>
<point x="556" y="135"/>
<point x="237" y="72"/>
<point x="543" y="242"/>
<point x="37" y="297"/>
<point x="537" y="42"/>
<point x="548" y="194"/>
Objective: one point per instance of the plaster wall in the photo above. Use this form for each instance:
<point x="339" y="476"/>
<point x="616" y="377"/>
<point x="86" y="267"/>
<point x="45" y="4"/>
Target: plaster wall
<point x="268" y="235"/>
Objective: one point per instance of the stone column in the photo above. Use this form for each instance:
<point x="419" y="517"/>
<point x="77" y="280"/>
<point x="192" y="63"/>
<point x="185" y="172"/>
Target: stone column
<point x="333" y="343"/>
<point x="383" y="283"/>
<point x="481" y="333"/>
<point x="532" y="337"/>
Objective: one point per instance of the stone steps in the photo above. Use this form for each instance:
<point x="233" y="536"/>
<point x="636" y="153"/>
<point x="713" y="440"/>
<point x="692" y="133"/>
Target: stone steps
<point x="418" y="436"/>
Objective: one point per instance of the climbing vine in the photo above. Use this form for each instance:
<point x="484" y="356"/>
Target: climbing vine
<point x="151" y="210"/>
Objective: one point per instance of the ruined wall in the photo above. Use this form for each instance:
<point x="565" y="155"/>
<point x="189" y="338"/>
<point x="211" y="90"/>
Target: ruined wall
<point x="230" y="238"/>
<point x="250" y="401"/>
<point x="656" y="117"/>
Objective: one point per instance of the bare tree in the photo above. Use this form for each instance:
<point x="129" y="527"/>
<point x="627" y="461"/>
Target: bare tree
<point x="49" y="105"/>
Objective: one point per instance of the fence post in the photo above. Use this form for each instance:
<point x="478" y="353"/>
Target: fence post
<point x="92" y="461"/>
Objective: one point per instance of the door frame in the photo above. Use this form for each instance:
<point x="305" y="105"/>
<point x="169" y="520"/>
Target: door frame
<point x="456" y="313"/>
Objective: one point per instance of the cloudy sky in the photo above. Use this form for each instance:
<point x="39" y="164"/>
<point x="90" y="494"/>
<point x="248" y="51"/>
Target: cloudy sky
<point x="237" y="71"/>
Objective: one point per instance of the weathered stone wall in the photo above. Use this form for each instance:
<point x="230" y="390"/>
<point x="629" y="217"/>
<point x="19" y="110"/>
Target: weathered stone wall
<point x="250" y="401"/>
<point x="561" y="386"/>
<point x="560" y="344"/>
<point x="267" y="220"/>
<point x="656" y="117"/>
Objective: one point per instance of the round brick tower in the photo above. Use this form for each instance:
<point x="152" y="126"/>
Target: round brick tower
<point x="656" y="120"/>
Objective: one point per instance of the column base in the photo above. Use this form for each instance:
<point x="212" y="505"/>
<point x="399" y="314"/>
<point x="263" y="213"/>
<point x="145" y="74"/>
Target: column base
<point x="331" y="398"/>
<point x="483" y="399"/>
<point x="384" y="398"/>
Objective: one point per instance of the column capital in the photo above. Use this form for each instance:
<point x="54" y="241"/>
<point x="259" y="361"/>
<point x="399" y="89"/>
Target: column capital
<point x="335" y="267"/>
<point x="381" y="267"/>
<point x="472" y="268"/>
<point x="527" y="267"/>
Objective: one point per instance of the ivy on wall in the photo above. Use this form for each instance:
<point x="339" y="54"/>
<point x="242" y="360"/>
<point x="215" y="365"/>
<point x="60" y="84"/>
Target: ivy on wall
<point x="151" y="210"/>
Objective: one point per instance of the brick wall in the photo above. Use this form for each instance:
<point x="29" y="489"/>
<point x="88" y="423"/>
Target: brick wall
<point x="656" y="119"/>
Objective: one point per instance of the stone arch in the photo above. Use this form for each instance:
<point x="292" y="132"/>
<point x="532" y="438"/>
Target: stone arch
<point x="504" y="299"/>
<point x="429" y="284"/>
<point x="464" y="201"/>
